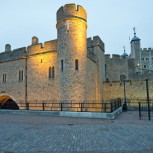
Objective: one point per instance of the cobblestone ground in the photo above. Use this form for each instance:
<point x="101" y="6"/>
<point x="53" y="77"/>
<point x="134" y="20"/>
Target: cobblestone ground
<point x="48" y="134"/>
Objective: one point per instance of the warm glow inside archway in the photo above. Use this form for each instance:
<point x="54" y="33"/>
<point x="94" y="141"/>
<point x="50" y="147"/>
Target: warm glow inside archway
<point x="7" y="102"/>
<point x="4" y="99"/>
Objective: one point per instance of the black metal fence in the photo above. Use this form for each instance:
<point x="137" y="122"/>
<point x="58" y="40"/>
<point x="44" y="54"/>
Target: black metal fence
<point x="145" y="110"/>
<point x="77" y="106"/>
<point x="143" y="106"/>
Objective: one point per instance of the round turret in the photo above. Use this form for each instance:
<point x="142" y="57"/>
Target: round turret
<point x="72" y="51"/>
<point x="71" y="11"/>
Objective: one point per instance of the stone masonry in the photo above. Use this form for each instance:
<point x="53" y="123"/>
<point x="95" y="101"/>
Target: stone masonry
<point x="69" y="68"/>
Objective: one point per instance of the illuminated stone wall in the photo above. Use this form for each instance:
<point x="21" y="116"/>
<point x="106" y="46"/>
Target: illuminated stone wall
<point x="92" y="82"/>
<point x="40" y="86"/>
<point x="134" y="90"/>
<point x="13" y="87"/>
<point x="71" y="27"/>
<point x="39" y="48"/>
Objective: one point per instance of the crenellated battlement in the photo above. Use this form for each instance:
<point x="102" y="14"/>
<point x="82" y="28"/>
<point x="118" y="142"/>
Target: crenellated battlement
<point x="40" y="47"/>
<point x="13" y="55"/>
<point x="71" y="11"/>
<point x="147" y="49"/>
<point x="18" y="53"/>
<point x="95" y="41"/>
<point x="107" y="56"/>
<point x="114" y="57"/>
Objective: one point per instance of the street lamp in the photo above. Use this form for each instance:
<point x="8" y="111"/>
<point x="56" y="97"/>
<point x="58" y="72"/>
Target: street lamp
<point x="124" y="101"/>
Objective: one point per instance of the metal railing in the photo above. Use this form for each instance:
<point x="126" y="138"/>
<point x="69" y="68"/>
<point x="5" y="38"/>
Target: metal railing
<point x="77" y="106"/>
<point x="133" y="104"/>
<point x="145" y="110"/>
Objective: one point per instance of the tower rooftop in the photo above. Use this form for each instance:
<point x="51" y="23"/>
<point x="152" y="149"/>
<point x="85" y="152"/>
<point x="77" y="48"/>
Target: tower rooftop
<point x="135" y="38"/>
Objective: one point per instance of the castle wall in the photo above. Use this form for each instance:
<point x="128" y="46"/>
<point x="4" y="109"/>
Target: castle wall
<point x="115" y="67"/>
<point x="40" y="86"/>
<point x="12" y="55"/>
<point x="39" y="48"/>
<point x="96" y="51"/>
<point x="134" y="90"/>
<point x="100" y="67"/>
<point x="91" y="78"/>
<point x="13" y="87"/>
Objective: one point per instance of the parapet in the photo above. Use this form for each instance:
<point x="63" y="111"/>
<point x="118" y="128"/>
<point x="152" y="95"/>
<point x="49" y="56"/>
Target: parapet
<point x="96" y="41"/>
<point x="107" y="56"/>
<point x="147" y="49"/>
<point x="71" y="11"/>
<point x="13" y="55"/>
<point x="40" y="48"/>
<point x="116" y="56"/>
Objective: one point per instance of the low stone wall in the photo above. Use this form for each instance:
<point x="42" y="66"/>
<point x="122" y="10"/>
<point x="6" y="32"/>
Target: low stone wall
<point x="101" y="115"/>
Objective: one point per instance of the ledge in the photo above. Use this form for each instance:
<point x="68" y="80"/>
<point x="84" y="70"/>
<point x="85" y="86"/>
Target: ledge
<point x="101" y="115"/>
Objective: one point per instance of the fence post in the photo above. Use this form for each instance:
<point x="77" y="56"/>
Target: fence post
<point x="81" y="106"/>
<point x="139" y="111"/>
<point x="147" y="89"/>
<point x="104" y="104"/>
<point x="43" y="105"/>
<point x="111" y="107"/>
<point x="27" y="106"/>
<point x="61" y="106"/>
<point x="115" y="104"/>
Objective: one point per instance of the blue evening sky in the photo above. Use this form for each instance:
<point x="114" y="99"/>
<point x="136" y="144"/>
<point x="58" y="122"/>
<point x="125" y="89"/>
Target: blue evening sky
<point x="112" y="20"/>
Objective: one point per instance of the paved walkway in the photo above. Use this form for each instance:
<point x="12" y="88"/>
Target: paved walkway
<point x="46" y="134"/>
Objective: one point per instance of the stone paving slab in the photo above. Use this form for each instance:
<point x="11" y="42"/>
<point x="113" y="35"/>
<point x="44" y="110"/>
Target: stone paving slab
<point x="50" y="134"/>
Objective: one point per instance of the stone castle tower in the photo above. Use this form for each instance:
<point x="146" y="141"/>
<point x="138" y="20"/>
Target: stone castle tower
<point x="135" y="50"/>
<point x="72" y="51"/>
<point x="68" y="69"/>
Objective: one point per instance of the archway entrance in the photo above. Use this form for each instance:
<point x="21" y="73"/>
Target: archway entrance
<point x="7" y="102"/>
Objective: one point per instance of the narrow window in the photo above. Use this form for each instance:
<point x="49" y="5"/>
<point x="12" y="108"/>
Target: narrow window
<point x="53" y="72"/>
<point x="61" y="65"/>
<point x="50" y="73"/>
<point x="76" y="64"/>
<point x="4" y="78"/>
<point x="21" y="75"/>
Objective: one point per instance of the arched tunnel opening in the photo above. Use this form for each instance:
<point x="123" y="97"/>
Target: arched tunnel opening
<point x="7" y="103"/>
